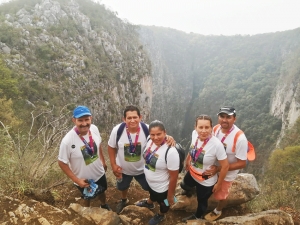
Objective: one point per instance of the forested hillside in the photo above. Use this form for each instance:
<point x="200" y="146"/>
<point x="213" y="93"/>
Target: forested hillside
<point x="195" y="74"/>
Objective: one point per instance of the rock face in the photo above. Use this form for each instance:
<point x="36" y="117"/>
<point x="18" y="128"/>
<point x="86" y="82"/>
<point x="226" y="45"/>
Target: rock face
<point x="78" y="61"/>
<point x="244" y="188"/>
<point x="267" y="217"/>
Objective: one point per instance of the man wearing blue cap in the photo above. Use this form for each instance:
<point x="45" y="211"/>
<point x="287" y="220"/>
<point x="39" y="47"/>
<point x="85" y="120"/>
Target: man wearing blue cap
<point x="81" y="158"/>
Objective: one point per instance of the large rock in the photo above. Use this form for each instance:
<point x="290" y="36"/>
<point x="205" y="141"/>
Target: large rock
<point x="243" y="189"/>
<point x="270" y="217"/>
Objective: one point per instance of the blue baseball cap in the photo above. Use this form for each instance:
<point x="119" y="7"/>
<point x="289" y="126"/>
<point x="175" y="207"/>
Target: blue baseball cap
<point x="80" y="111"/>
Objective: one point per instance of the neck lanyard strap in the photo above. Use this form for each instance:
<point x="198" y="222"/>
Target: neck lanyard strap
<point x="225" y="136"/>
<point x="132" y="146"/>
<point x="196" y="152"/>
<point x="150" y="154"/>
<point x="90" y="146"/>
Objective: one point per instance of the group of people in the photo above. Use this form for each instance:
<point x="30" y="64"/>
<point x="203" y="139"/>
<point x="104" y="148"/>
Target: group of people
<point x="147" y="154"/>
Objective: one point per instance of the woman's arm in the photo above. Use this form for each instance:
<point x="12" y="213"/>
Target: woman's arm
<point x="172" y="185"/>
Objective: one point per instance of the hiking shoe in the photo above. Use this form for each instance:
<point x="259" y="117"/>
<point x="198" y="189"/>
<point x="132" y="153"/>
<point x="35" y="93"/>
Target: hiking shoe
<point x="121" y="205"/>
<point x="156" y="219"/>
<point x="105" y="206"/>
<point x="144" y="203"/>
<point x="191" y="217"/>
<point x="212" y="216"/>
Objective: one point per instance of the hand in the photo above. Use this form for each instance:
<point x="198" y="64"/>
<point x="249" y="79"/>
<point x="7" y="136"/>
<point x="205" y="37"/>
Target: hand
<point x="105" y="167"/>
<point x="82" y="183"/>
<point x="117" y="170"/>
<point x="211" y="170"/>
<point x="171" y="200"/>
<point x="216" y="187"/>
<point x="170" y="140"/>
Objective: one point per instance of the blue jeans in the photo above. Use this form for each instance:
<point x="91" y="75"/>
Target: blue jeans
<point x="125" y="184"/>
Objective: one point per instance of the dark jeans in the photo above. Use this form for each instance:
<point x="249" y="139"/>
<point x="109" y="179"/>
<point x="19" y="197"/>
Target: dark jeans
<point x="125" y="184"/>
<point x="203" y="193"/>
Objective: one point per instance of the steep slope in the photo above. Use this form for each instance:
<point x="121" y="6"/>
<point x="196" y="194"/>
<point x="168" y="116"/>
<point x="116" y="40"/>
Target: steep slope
<point x="75" y="52"/>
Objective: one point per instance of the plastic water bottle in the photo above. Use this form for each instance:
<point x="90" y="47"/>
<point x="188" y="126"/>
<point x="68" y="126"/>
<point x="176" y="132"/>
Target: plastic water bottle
<point x="120" y="179"/>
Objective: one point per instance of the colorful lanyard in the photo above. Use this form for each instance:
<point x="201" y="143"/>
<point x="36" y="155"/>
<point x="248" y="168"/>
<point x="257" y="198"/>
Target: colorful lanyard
<point x="195" y="153"/>
<point x="150" y="154"/>
<point x="132" y="146"/>
<point x="89" y="147"/>
<point x="225" y="136"/>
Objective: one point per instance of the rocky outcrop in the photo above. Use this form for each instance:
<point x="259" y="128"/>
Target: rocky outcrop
<point x="270" y="217"/>
<point x="244" y="188"/>
<point x="58" y="47"/>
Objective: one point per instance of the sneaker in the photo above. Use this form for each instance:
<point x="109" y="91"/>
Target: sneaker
<point x="144" y="203"/>
<point x="121" y="205"/>
<point x="212" y="216"/>
<point x="105" y="206"/>
<point x="156" y="219"/>
<point x="191" y="217"/>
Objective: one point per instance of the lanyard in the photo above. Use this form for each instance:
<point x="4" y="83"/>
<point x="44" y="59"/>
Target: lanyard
<point x="195" y="153"/>
<point x="89" y="147"/>
<point x="132" y="146"/>
<point x="225" y="136"/>
<point x="150" y="154"/>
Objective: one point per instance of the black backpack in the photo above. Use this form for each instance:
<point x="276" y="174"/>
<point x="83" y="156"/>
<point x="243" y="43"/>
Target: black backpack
<point x="181" y="154"/>
<point x="122" y="126"/>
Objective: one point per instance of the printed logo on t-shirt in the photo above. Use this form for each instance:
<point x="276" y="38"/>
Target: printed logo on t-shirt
<point x="199" y="161"/>
<point x="132" y="156"/>
<point x="89" y="156"/>
<point x="150" y="160"/>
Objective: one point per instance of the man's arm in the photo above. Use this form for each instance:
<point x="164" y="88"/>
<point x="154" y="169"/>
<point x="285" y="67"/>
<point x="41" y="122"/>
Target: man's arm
<point x="112" y="152"/>
<point x="66" y="169"/>
<point x="102" y="159"/>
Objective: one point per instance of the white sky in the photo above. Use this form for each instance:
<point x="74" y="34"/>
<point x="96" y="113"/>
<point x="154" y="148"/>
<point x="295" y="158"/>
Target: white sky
<point x="211" y="17"/>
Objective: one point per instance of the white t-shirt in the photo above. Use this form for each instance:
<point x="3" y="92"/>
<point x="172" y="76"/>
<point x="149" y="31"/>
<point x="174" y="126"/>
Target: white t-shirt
<point x="83" y="163"/>
<point x="211" y="153"/>
<point x="132" y="163"/>
<point x="240" y="150"/>
<point x="156" y="172"/>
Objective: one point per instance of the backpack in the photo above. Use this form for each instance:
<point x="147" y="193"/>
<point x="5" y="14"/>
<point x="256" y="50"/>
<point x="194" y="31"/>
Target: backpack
<point x="181" y="153"/>
<point x="122" y="126"/>
<point x="250" y="151"/>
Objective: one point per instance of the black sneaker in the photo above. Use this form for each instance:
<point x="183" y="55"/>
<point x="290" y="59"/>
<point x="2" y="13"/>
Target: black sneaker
<point x="144" y="203"/>
<point x="105" y="206"/>
<point x="121" y="205"/>
<point x="191" y="217"/>
<point x="156" y="219"/>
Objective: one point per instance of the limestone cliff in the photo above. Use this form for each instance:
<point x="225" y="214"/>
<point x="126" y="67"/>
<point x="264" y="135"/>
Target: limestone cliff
<point x="96" y="61"/>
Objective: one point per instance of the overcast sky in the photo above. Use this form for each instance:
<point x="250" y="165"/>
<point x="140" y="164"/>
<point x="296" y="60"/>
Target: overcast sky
<point x="216" y="17"/>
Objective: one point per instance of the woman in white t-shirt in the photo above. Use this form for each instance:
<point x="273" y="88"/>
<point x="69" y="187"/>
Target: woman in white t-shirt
<point x="205" y="150"/>
<point x="161" y="171"/>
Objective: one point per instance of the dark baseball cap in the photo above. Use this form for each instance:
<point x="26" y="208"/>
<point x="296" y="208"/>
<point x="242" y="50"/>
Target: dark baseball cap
<point x="80" y="111"/>
<point x="227" y="110"/>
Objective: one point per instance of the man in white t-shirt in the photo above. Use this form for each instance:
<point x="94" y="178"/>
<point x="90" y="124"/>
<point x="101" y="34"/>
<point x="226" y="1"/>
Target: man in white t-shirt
<point x="81" y="157"/>
<point x="125" y="154"/>
<point x="226" y="131"/>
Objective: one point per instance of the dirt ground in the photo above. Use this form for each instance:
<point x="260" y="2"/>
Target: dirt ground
<point x="66" y="194"/>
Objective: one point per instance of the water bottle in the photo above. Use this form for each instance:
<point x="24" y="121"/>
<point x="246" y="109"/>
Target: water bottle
<point x="119" y="179"/>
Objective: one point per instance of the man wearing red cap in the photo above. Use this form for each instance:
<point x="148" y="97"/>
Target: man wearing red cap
<point x="81" y="158"/>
